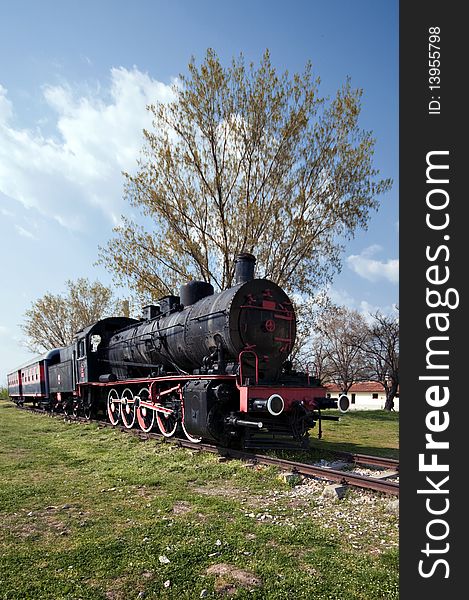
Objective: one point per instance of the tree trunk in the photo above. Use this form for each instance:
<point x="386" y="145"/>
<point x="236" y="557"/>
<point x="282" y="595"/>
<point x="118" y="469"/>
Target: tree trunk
<point x="390" y="395"/>
<point x="389" y="404"/>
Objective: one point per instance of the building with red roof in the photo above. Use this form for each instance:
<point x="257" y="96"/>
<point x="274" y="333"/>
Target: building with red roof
<point x="364" y="395"/>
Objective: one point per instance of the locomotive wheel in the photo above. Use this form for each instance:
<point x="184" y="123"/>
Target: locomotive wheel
<point x="87" y="409"/>
<point x="145" y="416"/>
<point x="76" y="408"/>
<point x="113" y="406"/>
<point x="128" y="408"/>
<point x="68" y="407"/>
<point x="167" y="424"/>
<point x="191" y="438"/>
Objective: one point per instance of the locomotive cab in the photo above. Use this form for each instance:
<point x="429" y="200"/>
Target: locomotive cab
<point x="90" y="356"/>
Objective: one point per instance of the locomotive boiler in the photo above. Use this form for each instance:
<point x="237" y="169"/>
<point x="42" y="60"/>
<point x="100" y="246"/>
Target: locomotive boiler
<point x="206" y="332"/>
<point x="213" y="365"/>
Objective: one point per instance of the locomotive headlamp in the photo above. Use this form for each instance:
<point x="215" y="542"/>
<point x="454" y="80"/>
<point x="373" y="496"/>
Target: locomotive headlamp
<point x="275" y="405"/>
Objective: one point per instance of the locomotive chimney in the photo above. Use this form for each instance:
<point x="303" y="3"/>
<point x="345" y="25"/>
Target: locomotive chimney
<point x="244" y="267"/>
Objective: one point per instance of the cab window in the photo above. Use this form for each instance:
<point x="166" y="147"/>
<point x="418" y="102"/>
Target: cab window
<point x="81" y="349"/>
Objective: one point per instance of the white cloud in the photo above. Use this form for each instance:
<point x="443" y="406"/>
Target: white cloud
<point x="75" y="176"/>
<point x="6" y="108"/>
<point x="6" y="213"/>
<point x="341" y="297"/>
<point x="25" y="232"/>
<point x="368" y="310"/>
<point x="372" y="269"/>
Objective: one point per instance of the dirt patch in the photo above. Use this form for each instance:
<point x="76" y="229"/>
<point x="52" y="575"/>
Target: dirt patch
<point x="312" y="572"/>
<point x="114" y="594"/>
<point x="229" y="577"/>
<point x="181" y="507"/>
<point x="227" y="490"/>
<point x="147" y="493"/>
<point x="35" y="524"/>
<point x="117" y="590"/>
<point x="224" y="588"/>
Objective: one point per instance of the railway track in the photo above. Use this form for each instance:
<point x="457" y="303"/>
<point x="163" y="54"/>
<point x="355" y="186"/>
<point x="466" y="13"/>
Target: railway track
<point x="376" y="483"/>
<point x="372" y="461"/>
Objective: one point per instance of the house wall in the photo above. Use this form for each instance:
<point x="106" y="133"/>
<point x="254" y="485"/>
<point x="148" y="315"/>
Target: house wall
<point x="365" y="401"/>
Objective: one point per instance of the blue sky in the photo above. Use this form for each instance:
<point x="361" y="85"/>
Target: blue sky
<point x="74" y="81"/>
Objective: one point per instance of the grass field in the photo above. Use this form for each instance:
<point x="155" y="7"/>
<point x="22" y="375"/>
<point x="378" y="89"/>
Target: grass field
<point x="374" y="432"/>
<point x="91" y="513"/>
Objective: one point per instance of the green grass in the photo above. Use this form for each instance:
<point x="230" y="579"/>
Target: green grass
<point x="86" y="513"/>
<point x="374" y="432"/>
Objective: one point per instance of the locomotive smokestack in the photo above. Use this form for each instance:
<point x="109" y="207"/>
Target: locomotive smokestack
<point x="244" y="267"/>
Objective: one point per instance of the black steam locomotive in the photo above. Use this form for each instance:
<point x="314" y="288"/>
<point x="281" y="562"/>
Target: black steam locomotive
<point x="213" y="365"/>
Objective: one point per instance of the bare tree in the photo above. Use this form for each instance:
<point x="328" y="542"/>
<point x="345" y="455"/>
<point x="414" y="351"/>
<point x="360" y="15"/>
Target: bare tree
<point x="317" y="361"/>
<point x="343" y="332"/>
<point x="310" y="350"/>
<point x="244" y="159"/>
<point x="381" y="352"/>
<point x="53" y="320"/>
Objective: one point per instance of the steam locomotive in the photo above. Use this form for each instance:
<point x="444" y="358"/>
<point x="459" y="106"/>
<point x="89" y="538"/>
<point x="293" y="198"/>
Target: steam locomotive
<point x="213" y="366"/>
